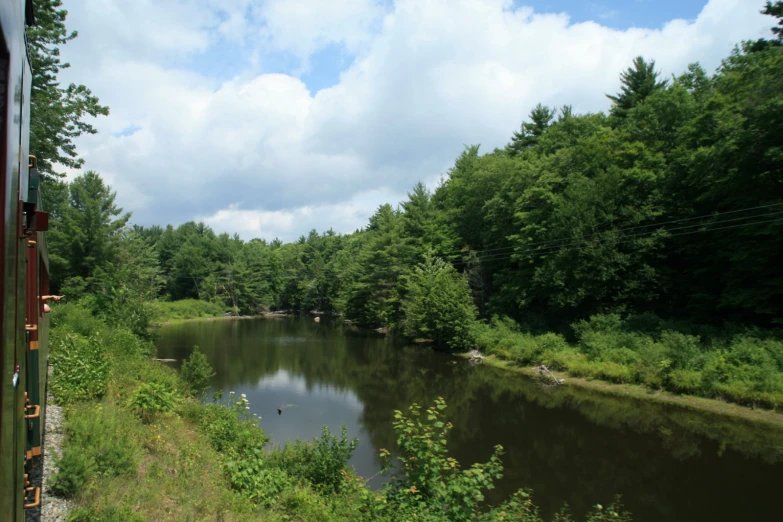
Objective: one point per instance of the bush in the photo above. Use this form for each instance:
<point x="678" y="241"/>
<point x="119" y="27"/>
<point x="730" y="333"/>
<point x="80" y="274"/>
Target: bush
<point x="75" y="318"/>
<point x="320" y="462"/>
<point x="197" y="372"/>
<point x="252" y="477"/>
<point x="228" y="426"/>
<point x="75" y="469"/>
<point x="122" y="342"/>
<point x="685" y="381"/>
<point x="433" y="486"/>
<point x="80" y="369"/>
<point x="150" y="399"/>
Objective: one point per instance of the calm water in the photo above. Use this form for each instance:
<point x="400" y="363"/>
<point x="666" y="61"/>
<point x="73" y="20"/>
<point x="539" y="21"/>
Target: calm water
<point x="567" y="445"/>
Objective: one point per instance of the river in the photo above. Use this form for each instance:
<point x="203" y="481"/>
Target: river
<point x="568" y="445"/>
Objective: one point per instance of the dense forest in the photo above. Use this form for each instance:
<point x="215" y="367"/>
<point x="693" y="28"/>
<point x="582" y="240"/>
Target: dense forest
<point x="661" y="217"/>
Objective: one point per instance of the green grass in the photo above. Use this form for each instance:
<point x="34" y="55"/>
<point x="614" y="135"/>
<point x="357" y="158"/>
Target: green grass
<point x="172" y="311"/>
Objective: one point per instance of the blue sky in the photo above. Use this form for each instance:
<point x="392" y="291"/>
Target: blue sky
<point x="279" y="116"/>
<point x="621" y="14"/>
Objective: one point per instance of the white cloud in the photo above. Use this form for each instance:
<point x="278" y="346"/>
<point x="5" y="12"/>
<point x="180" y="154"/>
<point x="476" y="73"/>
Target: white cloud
<point x="288" y="225"/>
<point x="261" y="155"/>
<point x="304" y="26"/>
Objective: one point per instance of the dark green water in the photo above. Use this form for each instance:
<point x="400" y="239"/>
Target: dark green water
<point x="568" y="445"/>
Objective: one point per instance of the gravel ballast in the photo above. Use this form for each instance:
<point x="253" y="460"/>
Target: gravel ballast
<point x="52" y="509"/>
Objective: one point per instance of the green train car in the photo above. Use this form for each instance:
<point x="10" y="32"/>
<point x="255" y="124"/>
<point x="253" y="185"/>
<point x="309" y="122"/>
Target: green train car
<point x="24" y="275"/>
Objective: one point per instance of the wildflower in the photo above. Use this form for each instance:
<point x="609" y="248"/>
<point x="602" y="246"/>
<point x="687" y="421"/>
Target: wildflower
<point x="247" y="407"/>
<point x="243" y="396"/>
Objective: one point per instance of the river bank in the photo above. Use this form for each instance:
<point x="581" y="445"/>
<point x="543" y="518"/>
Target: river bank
<point x="701" y="404"/>
<point x="692" y="402"/>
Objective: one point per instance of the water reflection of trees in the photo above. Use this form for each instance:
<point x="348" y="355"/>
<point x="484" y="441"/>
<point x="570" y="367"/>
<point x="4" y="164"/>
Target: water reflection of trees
<point x="668" y="462"/>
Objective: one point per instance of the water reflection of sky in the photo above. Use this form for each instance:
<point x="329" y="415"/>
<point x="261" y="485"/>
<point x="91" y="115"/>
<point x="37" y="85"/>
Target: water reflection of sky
<point x="306" y="409"/>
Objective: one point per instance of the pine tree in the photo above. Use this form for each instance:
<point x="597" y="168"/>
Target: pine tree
<point x="775" y="10"/>
<point x="527" y="136"/>
<point x="638" y="82"/>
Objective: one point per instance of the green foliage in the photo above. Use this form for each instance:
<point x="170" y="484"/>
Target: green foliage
<point x="89" y="233"/>
<point x="229" y="427"/>
<point x="57" y="114"/>
<point x="638" y="82"/>
<point x="253" y="477"/>
<point x="80" y="368"/>
<point x="321" y="462"/>
<point x="74" y="318"/>
<point x="187" y="309"/>
<point x="439" y="304"/>
<point x="99" y="447"/>
<point x="150" y="399"/>
<point x="110" y="514"/>
<point x="433" y="485"/>
<point x="197" y="372"/>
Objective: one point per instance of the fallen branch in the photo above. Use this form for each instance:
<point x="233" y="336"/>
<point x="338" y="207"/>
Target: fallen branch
<point x="547" y="374"/>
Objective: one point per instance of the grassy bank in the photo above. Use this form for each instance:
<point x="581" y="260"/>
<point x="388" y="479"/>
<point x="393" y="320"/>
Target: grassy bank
<point x="140" y="445"/>
<point x="641" y="392"/>
<point x="186" y="309"/>
<point x="740" y="366"/>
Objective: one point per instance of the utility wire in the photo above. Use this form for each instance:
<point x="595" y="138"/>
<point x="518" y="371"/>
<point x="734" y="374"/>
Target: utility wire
<point x="546" y="250"/>
<point x="714" y="215"/>
<point x="574" y="246"/>
<point x="553" y="250"/>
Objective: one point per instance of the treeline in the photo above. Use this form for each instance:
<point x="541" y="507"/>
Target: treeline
<point x="672" y="203"/>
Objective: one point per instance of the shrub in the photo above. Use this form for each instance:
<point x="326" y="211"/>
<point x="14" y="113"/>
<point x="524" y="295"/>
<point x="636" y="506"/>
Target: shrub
<point x="75" y="469"/>
<point x="252" y="477"/>
<point x="80" y="369"/>
<point x="229" y="426"/>
<point x="320" y="462"/>
<point x="75" y="318"/>
<point x="682" y="350"/>
<point x="123" y="342"/>
<point x="197" y="372"/>
<point x="434" y="487"/>
<point x="685" y="381"/>
<point x="150" y="399"/>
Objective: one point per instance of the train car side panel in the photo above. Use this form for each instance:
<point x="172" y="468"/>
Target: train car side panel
<point x="13" y="428"/>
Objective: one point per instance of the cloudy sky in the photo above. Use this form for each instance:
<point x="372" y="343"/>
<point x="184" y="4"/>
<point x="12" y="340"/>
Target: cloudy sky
<point x="273" y="117"/>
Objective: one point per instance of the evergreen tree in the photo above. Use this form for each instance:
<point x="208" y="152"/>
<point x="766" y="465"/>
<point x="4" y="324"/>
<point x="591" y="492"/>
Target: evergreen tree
<point x="776" y="10"/>
<point x="438" y="304"/>
<point x="90" y="231"/>
<point x="638" y="82"/>
<point x="527" y="136"/>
